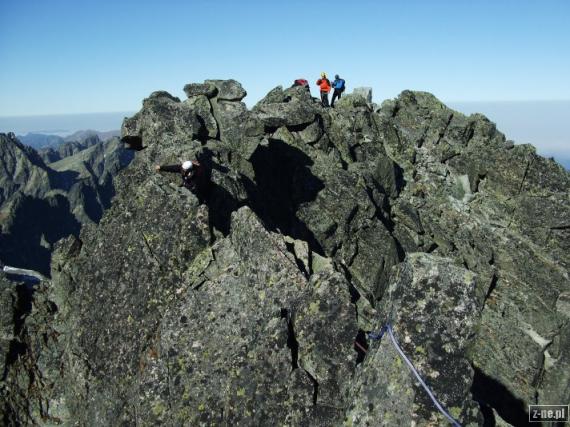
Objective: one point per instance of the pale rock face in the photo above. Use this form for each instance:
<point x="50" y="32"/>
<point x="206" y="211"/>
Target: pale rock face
<point x="365" y="92"/>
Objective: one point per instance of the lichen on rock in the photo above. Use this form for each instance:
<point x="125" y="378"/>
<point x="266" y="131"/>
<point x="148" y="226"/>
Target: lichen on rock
<point x="320" y="225"/>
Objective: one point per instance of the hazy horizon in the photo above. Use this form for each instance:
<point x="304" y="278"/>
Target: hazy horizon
<point x="484" y="50"/>
<point x="503" y="59"/>
<point x="540" y="123"/>
<point x="63" y="124"/>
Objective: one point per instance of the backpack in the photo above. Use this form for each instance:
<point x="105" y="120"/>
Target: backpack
<point x="339" y="84"/>
<point x="301" y="82"/>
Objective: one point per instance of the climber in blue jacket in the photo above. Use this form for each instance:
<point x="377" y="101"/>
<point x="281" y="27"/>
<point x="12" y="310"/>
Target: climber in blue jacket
<point x="338" y="86"/>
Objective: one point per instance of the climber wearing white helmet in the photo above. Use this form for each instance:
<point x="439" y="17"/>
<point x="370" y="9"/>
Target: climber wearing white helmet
<point x="193" y="175"/>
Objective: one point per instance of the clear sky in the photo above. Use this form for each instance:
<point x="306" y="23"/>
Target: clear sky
<point x="80" y="56"/>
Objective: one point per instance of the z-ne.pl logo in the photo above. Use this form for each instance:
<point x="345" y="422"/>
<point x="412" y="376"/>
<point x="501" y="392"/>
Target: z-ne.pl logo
<point x="547" y="413"/>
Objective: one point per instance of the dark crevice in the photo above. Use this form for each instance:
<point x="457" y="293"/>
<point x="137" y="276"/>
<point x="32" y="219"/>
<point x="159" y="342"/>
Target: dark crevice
<point x="354" y="293"/>
<point x="450" y="156"/>
<point x="352" y="150"/>
<point x="354" y="254"/>
<point x="203" y="134"/>
<point x="270" y="130"/>
<point x="199" y="285"/>
<point x="352" y="214"/>
<point x="528" y="165"/>
<point x="292" y="343"/>
<point x="491" y="393"/>
<point x="310" y="261"/>
<point x="291" y="248"/>
<point x="492" y="286"/>
<point x="442" y="133"/>
<point x="431" y="248"/>
<point x="539" y="376"/>
<point x="299" y="128"/>
<point x="360" y="346"/>
<point x="396" y="110"/>
<point x="560" y="227"/>
<point x="400" y="249"/>
<point x="469" y="132"/>
<point x="387" y="222"/>
<point x="488" y="415"/>
<point x="315" y="387"/>
<point x="479" y="180"/>
<point x="422" y="138"/>
<point x="133" y="142"/>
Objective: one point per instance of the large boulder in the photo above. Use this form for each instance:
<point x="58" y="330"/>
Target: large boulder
<point x="365" y="92"/>
<point x="248" y="350"/>
<point x="203" y="110"/>
<point x="433" y="310"/>
<point x="208" y="89"/>
<point x="290" y="114"/>
<point x="228" y="90"/>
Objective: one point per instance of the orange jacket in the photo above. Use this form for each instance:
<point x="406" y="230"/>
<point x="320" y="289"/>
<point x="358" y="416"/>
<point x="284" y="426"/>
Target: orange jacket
<point x="324" y="84"/>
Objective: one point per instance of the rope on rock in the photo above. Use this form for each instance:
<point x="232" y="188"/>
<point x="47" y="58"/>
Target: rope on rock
<point x="378" y="336"/>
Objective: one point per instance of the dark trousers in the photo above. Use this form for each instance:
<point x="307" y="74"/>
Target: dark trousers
<point x="325" y="99"/>
<point x="336" y="94"/>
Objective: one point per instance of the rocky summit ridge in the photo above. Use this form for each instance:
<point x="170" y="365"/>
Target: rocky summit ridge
<point x="321" y="225"/>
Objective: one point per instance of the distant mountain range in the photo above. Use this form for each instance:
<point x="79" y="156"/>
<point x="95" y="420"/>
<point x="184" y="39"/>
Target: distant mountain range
<point x="44" y="140"/>
<point x="48" y="194"/>
<point x="62" y="124"/>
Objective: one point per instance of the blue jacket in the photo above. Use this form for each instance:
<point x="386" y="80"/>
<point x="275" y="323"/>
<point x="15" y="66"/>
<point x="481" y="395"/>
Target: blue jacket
<point x="338" y="84"/>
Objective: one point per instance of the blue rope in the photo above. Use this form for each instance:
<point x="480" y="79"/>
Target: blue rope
<point x="378" y="337"/>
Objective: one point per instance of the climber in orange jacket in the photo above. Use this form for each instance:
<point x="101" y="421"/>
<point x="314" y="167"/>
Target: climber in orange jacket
<point x="325" y="86"/>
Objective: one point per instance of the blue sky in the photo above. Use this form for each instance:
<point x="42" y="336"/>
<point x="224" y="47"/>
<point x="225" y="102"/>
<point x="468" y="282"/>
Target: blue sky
<point x="86" y="56"/>
<point x="81" y="56"/>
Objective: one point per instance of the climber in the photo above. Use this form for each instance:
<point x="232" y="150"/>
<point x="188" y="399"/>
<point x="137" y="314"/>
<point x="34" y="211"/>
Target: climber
<point x="325" y="86"/>
<point x="194" y="176"/>
<point x="338" y="86"/>
<point x="302" y="82"/>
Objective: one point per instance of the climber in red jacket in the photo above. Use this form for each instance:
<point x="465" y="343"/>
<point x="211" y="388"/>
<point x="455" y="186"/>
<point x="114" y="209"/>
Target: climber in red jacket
<point x="325" y="86"/>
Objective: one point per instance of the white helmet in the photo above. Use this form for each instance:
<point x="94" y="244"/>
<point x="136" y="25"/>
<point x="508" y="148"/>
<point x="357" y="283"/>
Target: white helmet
<point x="187" y="165"/>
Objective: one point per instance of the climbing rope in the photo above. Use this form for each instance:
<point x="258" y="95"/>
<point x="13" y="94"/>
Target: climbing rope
<point x="378" y="336"/>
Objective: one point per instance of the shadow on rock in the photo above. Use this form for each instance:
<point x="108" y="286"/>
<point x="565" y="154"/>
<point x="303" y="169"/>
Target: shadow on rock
<point x="38" y="223"/>
<point x="490" y="393"/>
<point x="220" y="204"/>
<point x="283" y="182"/>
